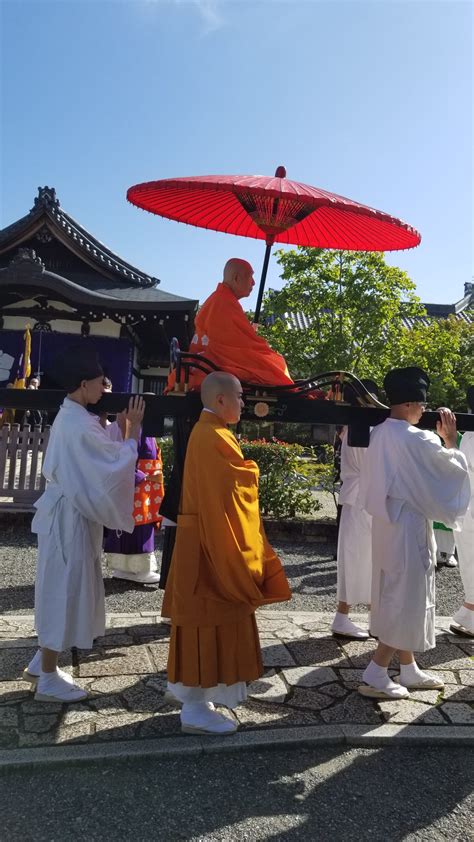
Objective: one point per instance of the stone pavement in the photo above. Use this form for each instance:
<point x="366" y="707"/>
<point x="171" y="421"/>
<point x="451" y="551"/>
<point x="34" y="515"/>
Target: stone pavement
<point x="309" y="687"/>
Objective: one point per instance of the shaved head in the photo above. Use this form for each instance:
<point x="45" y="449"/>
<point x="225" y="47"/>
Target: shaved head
<point x="238" y="276"/>
<point x="222" y="394"/>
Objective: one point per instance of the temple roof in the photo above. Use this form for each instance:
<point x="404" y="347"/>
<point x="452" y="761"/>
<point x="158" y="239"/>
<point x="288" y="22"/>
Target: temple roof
<point x="27" y="270"/>
<point x="47" y="248"/>
<point x="47" y="215"/>
<point x="462" y="310"/>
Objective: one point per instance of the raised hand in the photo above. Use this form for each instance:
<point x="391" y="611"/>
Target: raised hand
<point x="446" y="426"/>
<point x="134" y="417"/>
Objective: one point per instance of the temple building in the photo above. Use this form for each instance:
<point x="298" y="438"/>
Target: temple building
<point x="68" y="287"/>
<point x="462" y="310"/>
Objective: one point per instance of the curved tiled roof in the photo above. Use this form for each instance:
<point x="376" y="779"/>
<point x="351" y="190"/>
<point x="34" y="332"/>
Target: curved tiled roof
<point x="462" y="310"/>
<point x="28" y="269"/>
<point x="47" y="211"/>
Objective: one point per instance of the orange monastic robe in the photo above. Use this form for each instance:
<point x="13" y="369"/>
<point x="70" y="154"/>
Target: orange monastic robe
<point x="225" y="336"/>
<point x="223" y="567"/>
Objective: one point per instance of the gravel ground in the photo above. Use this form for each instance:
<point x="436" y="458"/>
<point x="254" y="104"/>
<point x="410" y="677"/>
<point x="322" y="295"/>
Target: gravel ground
<point x="310" y="567"/>
<point x="326" y="794"/>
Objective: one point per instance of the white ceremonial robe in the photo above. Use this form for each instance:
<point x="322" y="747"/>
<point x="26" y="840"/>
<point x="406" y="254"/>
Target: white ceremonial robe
<point x="408" y="480"/>
<point x="465" y="538"/>
<point x="90" y="484"/>
<point x="354" y="546"/>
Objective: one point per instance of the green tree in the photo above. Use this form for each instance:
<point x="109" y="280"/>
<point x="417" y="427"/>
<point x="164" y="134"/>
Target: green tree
<point x="445" y="349"/>
<point x="354" y="303"/>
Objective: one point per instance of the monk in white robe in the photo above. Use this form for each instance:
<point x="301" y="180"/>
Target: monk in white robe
<point x="463" y="620"/>
<point x="90" y="483"/>
<point x="407" y="481"/>
<point x="354" y="545"/>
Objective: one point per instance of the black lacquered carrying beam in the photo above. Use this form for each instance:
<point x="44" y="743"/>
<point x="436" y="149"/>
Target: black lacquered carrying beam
<point x="288" y="409"/>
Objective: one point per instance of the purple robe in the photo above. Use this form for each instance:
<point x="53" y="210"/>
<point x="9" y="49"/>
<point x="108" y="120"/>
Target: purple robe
<point x="142" y="539"/>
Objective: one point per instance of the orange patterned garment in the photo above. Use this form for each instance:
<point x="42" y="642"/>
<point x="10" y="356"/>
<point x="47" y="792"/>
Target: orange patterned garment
<point x="149" y="492"/>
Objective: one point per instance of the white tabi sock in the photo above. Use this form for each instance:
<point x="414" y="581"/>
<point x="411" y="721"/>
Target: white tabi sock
<point x="53" y="685"/>
<point x="34" y="667"/>
<point x="412" y="676"/>
<point x="377" y="676"/>
<point x="342" y="625"/>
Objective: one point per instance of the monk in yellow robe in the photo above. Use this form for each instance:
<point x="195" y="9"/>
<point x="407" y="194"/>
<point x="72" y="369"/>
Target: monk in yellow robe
<point x="222" y="569"/>
<point x="224" y="335"/>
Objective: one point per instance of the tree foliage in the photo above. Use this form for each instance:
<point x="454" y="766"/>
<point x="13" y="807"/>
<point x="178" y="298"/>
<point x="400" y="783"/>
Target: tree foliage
<point x="355" y="306"/>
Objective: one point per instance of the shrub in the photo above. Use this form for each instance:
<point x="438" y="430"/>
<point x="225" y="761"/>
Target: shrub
<point x="167" y="454"/>
<point x="283" y="491"/>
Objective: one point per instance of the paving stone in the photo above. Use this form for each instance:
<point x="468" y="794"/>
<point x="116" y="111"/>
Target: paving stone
<point x="446" y="656"/>
<point x="41" y="723"/>
<point x="13" y="662"/>
<point x="322" y="651"/>
<point x="315" y="626"/>
<point x="429" y="697"/>
<point x="336" y="691"/>
<point x="459" y="713"/>
<point x="351" y="678"/>
<point x="143" y="698"/>
<point x="8" y="717"/>
<point x="107" y="640"/>
<point x="31" y="707"/>
<point x="16" y="642"/>
<point x="78" y="715"/>
<point x="264" y="715"/>
<point x="290" y="633"/>
<point x="359" y="652"/>
<point x="464" y="643"/>
<point x="270" y="688"/>
<point x="157" y="682"/>
<point x="159" y="654"/>
<point x="114" y="683"/>
<point x="107" y="703"/>
<point x="79" y="733"/>
<point x="126" y="661"/>
<point x="30" y="739"/>
<point x="162" y="724"/>
<point x="307" y="699"/>
<point x="309" y="676"/>
<point x="152" y="630"/>
<point x="276" y="655"/>
<point x="458" y="693"/>
<point x="272" y="623"/>
<point x="354" y="709"/>
<point x="8" y="738"/>
<point x="13" y="691"/>
<point x="467" y="677"/>
<point x="123" y="726"/>
<point x="410" y="712"/>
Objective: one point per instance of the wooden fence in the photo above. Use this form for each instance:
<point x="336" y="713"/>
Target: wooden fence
<point x="22" y="451"/>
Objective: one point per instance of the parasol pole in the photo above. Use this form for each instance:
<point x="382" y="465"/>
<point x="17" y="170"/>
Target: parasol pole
<point x="262" y="280"/>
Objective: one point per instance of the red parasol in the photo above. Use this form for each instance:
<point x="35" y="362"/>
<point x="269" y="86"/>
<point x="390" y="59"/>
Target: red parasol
<point x="276" y="210"/>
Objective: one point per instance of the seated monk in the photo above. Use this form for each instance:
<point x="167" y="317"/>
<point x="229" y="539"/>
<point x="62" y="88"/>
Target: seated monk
<point x="225" y="336"/>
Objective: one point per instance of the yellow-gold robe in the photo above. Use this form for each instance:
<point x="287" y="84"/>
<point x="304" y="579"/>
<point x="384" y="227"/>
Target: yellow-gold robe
<point x="223" y="567"/>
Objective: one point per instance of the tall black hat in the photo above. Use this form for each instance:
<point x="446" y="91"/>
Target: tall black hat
<point x="78" y="363"/>
<point x="403" y="385"/>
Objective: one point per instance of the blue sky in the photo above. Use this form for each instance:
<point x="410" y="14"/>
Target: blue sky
<point x="372" y="100"/>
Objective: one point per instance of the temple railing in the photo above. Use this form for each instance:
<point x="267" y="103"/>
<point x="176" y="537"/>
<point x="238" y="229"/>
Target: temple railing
<point x="22" y="451"/>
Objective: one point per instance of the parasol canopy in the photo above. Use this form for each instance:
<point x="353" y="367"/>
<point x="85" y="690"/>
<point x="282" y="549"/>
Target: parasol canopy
<point x="276" y="210"/>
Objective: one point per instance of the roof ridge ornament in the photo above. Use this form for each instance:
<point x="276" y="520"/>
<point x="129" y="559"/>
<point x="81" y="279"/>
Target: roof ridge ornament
<point x="26" y="256"/>
<point x="46" y="198"/>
